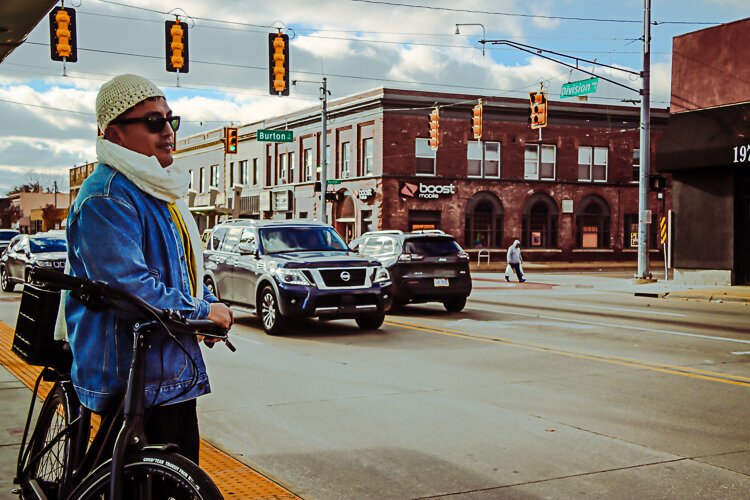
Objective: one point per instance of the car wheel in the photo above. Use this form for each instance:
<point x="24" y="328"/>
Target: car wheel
<point x="270" y="316"/>
<point x="5" y="282"/>
<point x="370" y="321"/>
<point x="455" y="305"/>
<point x="211" y="287"/>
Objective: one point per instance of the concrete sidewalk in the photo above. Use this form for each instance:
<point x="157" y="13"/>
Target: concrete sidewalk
<point x="589" y="278"/>
<point x="15" y="397"/>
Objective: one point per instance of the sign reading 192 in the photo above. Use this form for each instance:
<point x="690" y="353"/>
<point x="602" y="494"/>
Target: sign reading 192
<point x="742" y="154"/>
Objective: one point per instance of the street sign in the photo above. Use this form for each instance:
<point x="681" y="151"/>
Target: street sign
<point x="581" y="87"/>
<point x="333" y="181"/>
<point x="275" y="135"/>
<point x="663" y="230"/>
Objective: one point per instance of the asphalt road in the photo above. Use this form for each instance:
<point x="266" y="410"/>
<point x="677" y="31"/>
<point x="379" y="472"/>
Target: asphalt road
<point x="561" y="388"/>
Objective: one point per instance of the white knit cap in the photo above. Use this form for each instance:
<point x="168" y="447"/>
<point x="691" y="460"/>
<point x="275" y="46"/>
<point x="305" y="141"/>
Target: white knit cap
<point x="120" y="94"/>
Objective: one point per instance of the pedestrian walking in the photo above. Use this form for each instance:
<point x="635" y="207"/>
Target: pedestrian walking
<point x="514" y="260"/>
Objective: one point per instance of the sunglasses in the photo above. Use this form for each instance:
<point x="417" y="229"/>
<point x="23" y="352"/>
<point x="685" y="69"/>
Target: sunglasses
<point x="154" y="124"/>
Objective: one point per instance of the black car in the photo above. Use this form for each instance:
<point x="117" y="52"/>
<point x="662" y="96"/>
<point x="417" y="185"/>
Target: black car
<point x="425" y="266"/>
<point x="5" y="236"/>
<point x="282" y="269"/>
<point x="27" y="251"/>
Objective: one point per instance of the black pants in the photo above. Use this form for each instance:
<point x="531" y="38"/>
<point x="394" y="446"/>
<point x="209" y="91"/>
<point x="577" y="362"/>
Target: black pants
<point x="177" y="424"/>
<point x="517" y="270"/>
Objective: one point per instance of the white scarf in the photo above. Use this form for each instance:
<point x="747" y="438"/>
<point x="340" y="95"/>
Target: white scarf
<point x="167" y="184"/>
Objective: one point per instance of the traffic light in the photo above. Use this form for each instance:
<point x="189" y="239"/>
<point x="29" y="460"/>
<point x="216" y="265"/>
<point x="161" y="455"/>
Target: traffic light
<point x="62" y="31"/>
<point x="230" y="140"/>
<point x="538" y="110"/>
<point x="477" y="121"/>
<point x="278" y="47"/>
<point x="657" y="183"/>
<point x="434" y="129"/>
<point x="176" y="37"/>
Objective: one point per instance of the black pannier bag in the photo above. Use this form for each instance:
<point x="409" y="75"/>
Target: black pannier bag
<point x="34" y="341"/>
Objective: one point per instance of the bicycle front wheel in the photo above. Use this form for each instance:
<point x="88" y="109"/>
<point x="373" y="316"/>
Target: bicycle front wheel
<point x="152" y="474"/>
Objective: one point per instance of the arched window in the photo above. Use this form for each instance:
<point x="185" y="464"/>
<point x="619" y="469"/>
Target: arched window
<point x="593" y="223"/>
<point x="539" y="225"/>
<point x="483" y="222"/>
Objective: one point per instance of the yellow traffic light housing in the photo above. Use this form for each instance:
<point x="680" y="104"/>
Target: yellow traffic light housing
<point x="476" y="127"/>
<point x="537" y="110"/>
<point x="278" y="47"/>
<point x="62" y="27"/>
<point x="230" y="140"/>
<point x="434" y="129"/>
<point x="176" y="37"/>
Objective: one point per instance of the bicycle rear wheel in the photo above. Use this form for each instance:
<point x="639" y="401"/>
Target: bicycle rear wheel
<point x="49" y="468"/>
<point x="152" y="474"/>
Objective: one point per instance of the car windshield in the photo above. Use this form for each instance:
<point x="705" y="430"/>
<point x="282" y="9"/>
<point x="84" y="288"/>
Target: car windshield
<point x="432" y="246"/>
<point x="41" y="245"/>
<point x="300" y="239"/>
<point x="7" y="235"/>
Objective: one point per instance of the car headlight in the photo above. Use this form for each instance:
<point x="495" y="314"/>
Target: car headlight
<point x="292" y="277"/>
<point x="381" y="275"/>
<point x="44" y="263"/>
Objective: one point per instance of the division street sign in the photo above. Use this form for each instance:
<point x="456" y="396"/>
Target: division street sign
<point x="275" y="135"/>
<point x="333" y="181"/>
<point x="581" y="87"/>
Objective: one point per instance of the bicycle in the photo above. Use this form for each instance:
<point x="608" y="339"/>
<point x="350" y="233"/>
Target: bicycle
<point x="58" y="462"/>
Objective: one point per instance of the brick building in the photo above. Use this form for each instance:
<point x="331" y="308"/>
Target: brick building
<point x="573" y="195"/>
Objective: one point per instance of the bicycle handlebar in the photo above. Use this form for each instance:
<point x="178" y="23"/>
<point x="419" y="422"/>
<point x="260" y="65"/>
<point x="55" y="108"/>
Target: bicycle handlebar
<point x="120" y="299"/>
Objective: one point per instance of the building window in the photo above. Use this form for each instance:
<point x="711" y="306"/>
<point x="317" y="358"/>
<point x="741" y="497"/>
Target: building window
<point x="484" y="222"/>
<point x="630" y="235"/>
<point x="538" y="166"/>
<point x="243" y="172"/>
<point x="346" y="152"/>
<point x="425" y="157"/>
<point x="214" y="182"/>
<point x="307" y="158"/>
<point x="202" y="180"/>
<point x="636" y="165"/>
<point x="192" y="179"/>
<point x="592" y="164"/>
<point x="282" y="168"/>
<point x="367" y="156"/>
<point x="539" y="222"/>
<point x="366" y="221"/>
<point x="483" y="159"/>
<point x="292" y="165"/>
<point x="593" y="223"/>
<point x="231" y="175"/>
<point x="255" y="171"/>
<point x="424" y="219"/>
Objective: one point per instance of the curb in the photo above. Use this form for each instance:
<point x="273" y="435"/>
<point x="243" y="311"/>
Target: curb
<point x="708" y="297"/>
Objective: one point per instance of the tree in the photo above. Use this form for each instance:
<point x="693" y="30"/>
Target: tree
<point x="51" y="215"/>
<point x="29" y="187"/>
<point x="9" y="215"/>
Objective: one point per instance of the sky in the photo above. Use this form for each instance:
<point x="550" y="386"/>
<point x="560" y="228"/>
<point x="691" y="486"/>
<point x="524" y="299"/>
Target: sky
<point x="48" y="120"/>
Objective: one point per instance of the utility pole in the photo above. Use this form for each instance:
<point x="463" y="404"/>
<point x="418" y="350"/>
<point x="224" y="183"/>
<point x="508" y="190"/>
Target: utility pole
<point x="324" y="164"/>
<point x="645" y="146"/>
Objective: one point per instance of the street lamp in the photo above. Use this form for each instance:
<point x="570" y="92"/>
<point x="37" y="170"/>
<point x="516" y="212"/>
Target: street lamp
<point x="484" y="32"/>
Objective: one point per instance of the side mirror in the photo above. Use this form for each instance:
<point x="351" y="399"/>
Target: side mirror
<point x="248" y="248"/>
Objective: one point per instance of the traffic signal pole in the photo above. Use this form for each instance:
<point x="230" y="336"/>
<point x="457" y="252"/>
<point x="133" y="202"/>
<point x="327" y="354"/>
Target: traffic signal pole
<point x="645" y="147"/>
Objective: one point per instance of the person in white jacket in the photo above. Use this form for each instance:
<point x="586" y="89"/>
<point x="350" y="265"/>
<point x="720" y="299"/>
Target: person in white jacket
<point x="514" y="261"/>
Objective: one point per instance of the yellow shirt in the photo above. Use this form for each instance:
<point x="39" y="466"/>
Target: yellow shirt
<point x="185" y="237"/>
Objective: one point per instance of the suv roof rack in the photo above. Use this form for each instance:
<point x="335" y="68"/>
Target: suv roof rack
<point x="383" y="231"/>
<point x="429" y="231"/>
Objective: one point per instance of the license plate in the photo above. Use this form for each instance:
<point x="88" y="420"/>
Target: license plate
<point x="441" y="281"/>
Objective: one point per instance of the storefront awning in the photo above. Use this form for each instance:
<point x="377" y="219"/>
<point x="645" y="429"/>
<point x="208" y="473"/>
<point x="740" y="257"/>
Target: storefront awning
<point x="705" y="139"/>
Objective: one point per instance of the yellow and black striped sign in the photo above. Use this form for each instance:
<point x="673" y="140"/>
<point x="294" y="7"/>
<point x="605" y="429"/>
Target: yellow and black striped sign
<point x="663" y="230"/>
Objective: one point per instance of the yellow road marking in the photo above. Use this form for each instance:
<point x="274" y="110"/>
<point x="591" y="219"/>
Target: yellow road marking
<point x="696" y="373"/>
<point x="233" y="478"/>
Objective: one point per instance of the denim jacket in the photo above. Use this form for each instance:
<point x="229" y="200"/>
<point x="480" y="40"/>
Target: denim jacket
<point x="120" y="235"/>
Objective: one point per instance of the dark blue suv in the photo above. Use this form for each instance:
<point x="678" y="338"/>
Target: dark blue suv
<point x="282" y="269"/>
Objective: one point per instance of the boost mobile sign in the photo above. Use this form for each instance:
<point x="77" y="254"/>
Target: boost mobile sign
<point x="426" y="191"/>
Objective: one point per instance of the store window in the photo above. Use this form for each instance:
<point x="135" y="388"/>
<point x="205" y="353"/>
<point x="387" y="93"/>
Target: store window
<point x="539" y="162"/>
<point x="366" y="223"/>
<point x="593" y="223"/>
<point x="483" y="159"/>
<point x="425" y="157"/>
<point x="483" y="222"/>
<point x="592" y="164"/>
<point x="539" y="222"/>
<point x="424" y="219"/>
<point x="367" y="156"/>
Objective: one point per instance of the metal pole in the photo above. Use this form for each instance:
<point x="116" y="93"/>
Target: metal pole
<point x="324" y="163"/>
<point x="645" y="146"/>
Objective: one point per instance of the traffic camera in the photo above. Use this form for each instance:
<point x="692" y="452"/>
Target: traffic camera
<point x="62" y="31"/>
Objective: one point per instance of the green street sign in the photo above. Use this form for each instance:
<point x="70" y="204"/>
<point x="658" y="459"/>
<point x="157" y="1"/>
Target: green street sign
<point x="581" y="87"/>
<point x="333" y="181"/>
<point x="275" y="135"/>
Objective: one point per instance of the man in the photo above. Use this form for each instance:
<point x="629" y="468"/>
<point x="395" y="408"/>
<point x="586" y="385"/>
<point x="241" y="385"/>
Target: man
<point x="129" y="227"/>
<point x="514" y="261"/>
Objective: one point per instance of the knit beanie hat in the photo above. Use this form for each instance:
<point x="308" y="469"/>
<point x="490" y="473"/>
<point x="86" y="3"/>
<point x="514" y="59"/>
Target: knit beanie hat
<point x="120" y="94"/>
